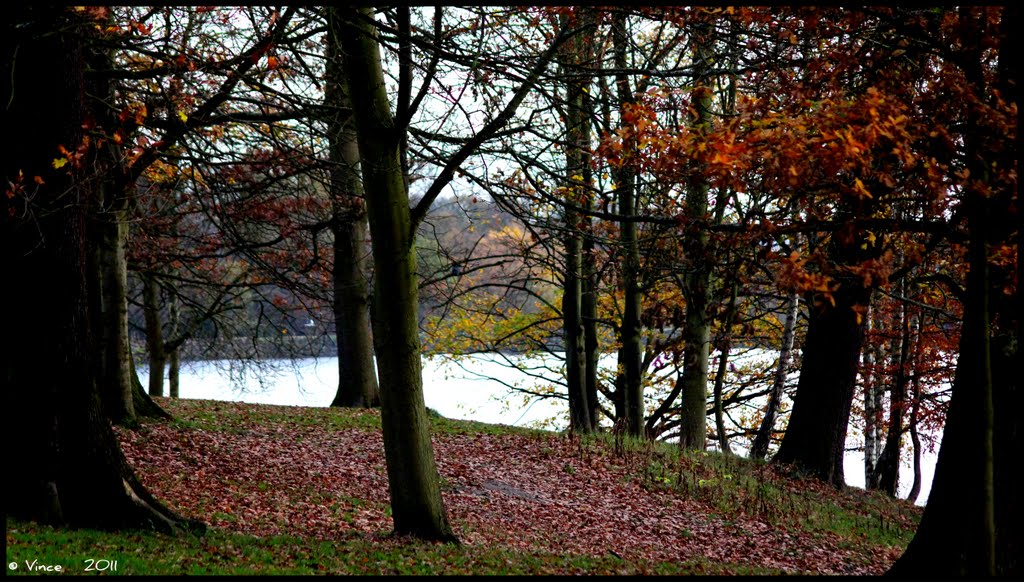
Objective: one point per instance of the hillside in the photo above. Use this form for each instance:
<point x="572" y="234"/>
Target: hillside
<point x="303" y="490"/>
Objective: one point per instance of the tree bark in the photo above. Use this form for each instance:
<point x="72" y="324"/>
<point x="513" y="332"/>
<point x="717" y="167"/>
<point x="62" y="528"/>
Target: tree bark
<point x="973" y="521"/>
<point x="588" y="311"/>
<point x="70" y="469"/>
<point x="577" y="129"/>
<point x="957" y="530"/>
<point x="815" y="440"/>
<point x="154" y="333"/>
<point x="631" y="349"/>
<point x="915" y="439"/>
<point x="357" y="375"/>
<point x="697" y="279"/>
<point x="725" y="346"/>
<point x="109" y="283"/>
<point x="416" y="504"/>
<point x="144" y="405"/>
<point x="759" y="449"/>
<point x="872" y="408"/>
<point x="572" y="325"/>
<point x="887" y="472"/>
<point x="174" y="355"/>
<point x="108" y="230"/>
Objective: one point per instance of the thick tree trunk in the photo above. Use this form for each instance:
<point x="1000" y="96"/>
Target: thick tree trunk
<point x="815" y="439"/>
<point x="759" y="450"/>
<point x="69" y="467"/>
<point x="357" y="376"/>
<point x="957" y="531"/>
<point x="973" y="521"/>
<point x="109" y="283"/>
<point x="108" y="231"/>
<point x="416" y="504"/>
<point x="1007" y="352"/>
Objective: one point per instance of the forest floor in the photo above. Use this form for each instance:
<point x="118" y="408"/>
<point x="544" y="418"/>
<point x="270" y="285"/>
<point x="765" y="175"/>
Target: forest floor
<point x="292" y="490"/>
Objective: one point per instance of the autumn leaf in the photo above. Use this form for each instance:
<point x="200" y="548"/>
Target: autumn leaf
<point x="860" y="189"/>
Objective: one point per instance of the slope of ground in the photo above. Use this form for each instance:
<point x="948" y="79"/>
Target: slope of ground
<point x="311" y="483"/>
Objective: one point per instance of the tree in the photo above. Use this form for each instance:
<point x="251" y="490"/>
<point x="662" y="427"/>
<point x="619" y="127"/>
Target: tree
<point x="576" y="285"/>
<point x="70" y="468"/>
<point x="416" y="504"/>
<point x="357" y="379"/>
<point x="972" y="523"/>
<point x="759" y="448"/>
<point x="697" y="278"/>
<point x="631" y="385"/>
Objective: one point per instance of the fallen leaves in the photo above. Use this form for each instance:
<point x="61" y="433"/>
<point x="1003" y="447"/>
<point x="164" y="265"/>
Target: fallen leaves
<point x="266" y="470"/>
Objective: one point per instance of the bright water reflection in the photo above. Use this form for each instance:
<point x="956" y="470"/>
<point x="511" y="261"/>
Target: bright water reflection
<point x="474" y="388"/>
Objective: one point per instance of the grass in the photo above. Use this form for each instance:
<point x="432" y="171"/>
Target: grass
<point x="228" y="554"/>
<point x="726" y="486"/>
<point x="779" y="496"/>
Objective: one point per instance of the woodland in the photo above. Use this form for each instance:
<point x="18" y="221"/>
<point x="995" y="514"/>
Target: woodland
<point x="671" y="187"/>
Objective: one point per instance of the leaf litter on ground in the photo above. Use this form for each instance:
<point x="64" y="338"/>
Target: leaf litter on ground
<point x="319" y="474"/>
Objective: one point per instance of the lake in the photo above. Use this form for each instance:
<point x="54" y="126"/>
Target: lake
<point x="471" y="388"/>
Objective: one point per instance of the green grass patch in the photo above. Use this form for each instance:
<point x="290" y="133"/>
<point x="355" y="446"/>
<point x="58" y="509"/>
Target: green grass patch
<point x="221" y="553"/>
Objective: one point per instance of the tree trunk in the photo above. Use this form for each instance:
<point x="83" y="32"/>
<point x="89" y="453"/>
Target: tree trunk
<point x="108" y="230"/>
<point x="572" y="325"/>
<point x="723" y="361"/>
<point x="915" y="439"/>
<point x="70" y="469"/>
<point x="815" y="439"/>
<point x="154" y="333"/>
<point x="725" y="346"/>
<point x="759" y="450"/>
<point x="631" y="350"/>
<point x="887" y="470"/>
<point x="591" y="346"/>
<point x="973" y="521"/>
<point x="357" y="376"/>
<point x="577" y="129"/>
<point x="582" y="107"/>
<point x="697" y="279"/>
<point x="109" y="284"/>
<point x="957" y="532"/>
<point x="144" y="405"/>
<point x="416" y="504"/>
<point x="872" y="408"/>
<point x="174" y="355"/>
